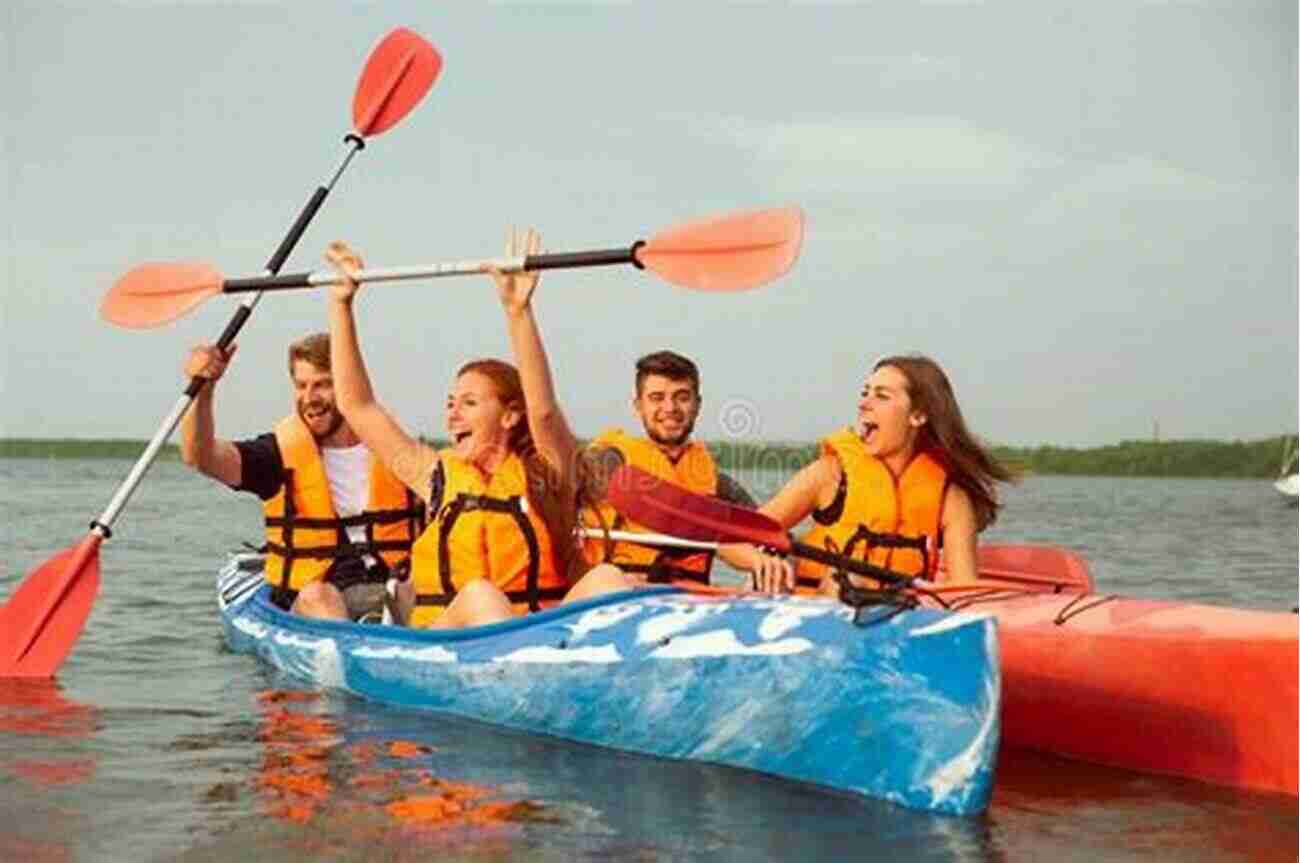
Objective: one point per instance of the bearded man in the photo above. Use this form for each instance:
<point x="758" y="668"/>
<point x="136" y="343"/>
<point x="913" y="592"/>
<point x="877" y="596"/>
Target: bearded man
<point x="338" y="523"/>
<point x="667" y="400"/>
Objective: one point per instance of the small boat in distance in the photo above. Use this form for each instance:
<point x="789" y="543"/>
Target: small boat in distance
<point x="1288" y="480"/>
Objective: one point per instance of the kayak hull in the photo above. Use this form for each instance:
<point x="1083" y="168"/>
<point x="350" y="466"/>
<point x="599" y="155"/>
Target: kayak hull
<point x="1199" y="691"/>
<point x="905" y="709"/>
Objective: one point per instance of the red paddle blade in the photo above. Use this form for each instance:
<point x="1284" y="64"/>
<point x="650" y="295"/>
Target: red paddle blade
<point x="730" y="253"/>
<point x="155" y="294"/>
<point x="401" y="69"/>
<point x="41" y="622"/>
<point x="1033" y="566"/>
<point x="669" y="508"/>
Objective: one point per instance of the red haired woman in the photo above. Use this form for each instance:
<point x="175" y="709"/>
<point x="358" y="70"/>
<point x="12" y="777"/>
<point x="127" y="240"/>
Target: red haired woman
<point x="503" y="497"/>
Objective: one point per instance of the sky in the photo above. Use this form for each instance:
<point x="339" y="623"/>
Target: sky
<point x="1085" y="212"/>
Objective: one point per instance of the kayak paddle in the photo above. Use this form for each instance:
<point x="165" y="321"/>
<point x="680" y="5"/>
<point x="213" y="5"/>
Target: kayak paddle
<point x="734" y="252"/>
<point x="1041" y="568"/>
<point x="41" y="621"/>
<point x="644" y="498"/>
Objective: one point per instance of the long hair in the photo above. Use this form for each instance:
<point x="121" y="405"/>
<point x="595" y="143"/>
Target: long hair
<point x="551" y="494"/>
<point x="945" y="436"/>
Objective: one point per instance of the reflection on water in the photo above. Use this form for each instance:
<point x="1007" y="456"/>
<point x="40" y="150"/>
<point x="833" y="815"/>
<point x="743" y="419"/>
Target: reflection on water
<point x="377" y="792"/>
<point x="40" y="757"/>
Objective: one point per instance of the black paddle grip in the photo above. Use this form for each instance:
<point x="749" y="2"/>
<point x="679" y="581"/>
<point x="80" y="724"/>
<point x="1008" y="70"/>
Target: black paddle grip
<point x="267" y="283"/>
<point x="227" y="336"/>
<point x="295" y="233"/>
<point x="598" y="258"/>
<point x="849" y="564"/>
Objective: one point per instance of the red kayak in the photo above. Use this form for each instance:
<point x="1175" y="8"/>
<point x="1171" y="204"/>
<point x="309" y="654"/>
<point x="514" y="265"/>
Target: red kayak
<point x="1200" y="691"/>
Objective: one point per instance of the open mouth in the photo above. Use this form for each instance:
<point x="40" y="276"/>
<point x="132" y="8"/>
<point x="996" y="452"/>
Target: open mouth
<point x="315" y="413"/>
<point x="459" y="436"/>
<point x="868" y="429"/>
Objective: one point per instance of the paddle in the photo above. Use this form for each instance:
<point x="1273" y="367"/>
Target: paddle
<point x="734" y="252"/>
<point x="40" y="623"/>
<point x="671" y="509"/>
<point x="1039" y="567"/>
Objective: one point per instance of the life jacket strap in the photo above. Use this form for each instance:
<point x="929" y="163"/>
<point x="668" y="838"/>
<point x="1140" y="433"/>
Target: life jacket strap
<point x="512" y="506"/>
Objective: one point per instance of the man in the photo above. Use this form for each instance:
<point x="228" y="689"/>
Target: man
<point x="667" y="400"/>
<point x="337" y="520"/>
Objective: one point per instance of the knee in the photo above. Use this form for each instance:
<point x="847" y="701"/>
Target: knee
<point x="607" y="576"/>
<point x="480" y="590"/>
<point x="320" y="599"/>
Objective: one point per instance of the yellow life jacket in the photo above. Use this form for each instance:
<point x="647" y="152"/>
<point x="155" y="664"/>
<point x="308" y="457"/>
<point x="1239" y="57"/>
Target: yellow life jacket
<point x="483" y="529"/>
<point x="694" y="470"/>
<point x="895" y="524"/>
<point x="304" y="535"/>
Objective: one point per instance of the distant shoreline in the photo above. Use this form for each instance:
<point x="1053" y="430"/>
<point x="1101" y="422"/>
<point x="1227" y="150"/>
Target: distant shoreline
<point x="1257" y="459"/>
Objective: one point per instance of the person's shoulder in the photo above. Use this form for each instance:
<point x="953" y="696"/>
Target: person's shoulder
<point x="261" y="465"/>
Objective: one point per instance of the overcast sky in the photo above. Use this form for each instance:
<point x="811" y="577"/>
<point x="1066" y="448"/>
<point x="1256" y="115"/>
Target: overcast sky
<point x="1086" y="212"/>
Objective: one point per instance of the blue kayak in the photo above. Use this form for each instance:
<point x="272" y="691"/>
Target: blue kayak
<point x="901" y="705"/>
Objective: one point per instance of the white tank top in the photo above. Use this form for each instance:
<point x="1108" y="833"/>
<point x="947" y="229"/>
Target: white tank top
<point x="348" y="470"/>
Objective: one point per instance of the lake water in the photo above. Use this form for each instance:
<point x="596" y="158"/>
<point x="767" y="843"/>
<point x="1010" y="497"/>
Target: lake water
<point x="156" y="743"/>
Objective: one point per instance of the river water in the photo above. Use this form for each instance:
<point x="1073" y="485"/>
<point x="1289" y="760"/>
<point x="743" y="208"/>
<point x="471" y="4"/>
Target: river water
<point x="156" y="743"/>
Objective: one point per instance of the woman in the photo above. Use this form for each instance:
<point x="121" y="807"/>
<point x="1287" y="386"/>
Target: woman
<point x="503" y="497"/>
<point x="906" y="480"/>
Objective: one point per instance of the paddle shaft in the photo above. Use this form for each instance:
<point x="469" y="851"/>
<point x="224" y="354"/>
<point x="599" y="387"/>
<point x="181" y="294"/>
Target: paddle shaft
<point x="796" y="549"/>
<point x="103" y="524"/>
<point x="531" y="263"/>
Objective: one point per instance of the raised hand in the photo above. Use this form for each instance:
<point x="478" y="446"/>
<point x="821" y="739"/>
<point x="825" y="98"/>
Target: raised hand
<point x="516" y="289"/>
<point x="208" y="361"/>
<point x="345" y="262"/>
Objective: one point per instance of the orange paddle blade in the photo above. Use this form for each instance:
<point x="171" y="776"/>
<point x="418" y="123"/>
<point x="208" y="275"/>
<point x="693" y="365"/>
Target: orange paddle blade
<point x="731" y="253"/>
<point x="41" y="622"/>
<point x="401" y="69"/>
<point x="155" y="294"/>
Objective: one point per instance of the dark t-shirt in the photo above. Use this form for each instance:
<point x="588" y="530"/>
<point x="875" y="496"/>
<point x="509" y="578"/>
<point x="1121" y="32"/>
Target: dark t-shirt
<point x="261" y="467"/>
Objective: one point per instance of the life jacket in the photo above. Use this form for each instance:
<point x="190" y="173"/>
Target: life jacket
<point x="305" y="536"/>
<point x="895" y="524"/>
<point x="694" y="470"/>
<point x="483" y="529"/>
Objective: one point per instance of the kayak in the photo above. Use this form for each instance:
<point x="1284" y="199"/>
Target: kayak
<point x="900" y="704"/>
<point x="1199" y="691"/>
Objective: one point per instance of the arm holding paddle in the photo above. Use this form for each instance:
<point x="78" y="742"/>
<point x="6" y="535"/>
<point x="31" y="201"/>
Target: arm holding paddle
<point x="811" y="488"/>
<point x="550" y="430"/>
<point x="410" y="461"/>
<point x="200" y="447"/>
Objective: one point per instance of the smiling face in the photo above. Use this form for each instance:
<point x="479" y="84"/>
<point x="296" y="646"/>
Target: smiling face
<point x="887" y="422"/>
<point x="313" y="394"/>
<point x="478" y="423"/>
<point x="668" y="408"/>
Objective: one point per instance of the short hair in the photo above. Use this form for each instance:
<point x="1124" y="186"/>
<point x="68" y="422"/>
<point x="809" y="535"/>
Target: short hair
<point x="314" y="348"/>
<point x="671" y="365"/>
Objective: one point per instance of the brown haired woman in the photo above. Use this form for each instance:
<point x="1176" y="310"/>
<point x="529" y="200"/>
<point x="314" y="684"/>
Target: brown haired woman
<point x="503" y="497"/>
<point x="906" y="480"/>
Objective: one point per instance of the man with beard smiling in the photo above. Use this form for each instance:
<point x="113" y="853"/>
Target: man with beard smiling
<point x="668" y="401"/>
<point x="337" y="521"/>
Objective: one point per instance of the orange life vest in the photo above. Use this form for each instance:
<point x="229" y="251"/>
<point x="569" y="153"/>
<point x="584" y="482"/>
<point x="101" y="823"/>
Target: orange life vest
<point x="694" y="470"/>
<point x="483" y="528"/>
<point x="304" y="535"/>
<point x="895" y="524"/>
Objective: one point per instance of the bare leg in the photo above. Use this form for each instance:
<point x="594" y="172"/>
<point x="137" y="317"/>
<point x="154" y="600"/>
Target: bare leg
<point x="476" y="604"/>
<point x="322" y="600"/>
<point x="606" y="578"/>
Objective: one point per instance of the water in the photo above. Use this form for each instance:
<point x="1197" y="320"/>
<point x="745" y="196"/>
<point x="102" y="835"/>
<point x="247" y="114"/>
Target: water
<point x="156" y="743"/>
